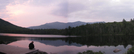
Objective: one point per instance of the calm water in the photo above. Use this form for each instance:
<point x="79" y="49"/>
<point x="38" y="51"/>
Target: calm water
<point x="69" y="45"/>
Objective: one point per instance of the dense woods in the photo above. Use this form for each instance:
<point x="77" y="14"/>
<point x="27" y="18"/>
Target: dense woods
<point x="109" y="28"/>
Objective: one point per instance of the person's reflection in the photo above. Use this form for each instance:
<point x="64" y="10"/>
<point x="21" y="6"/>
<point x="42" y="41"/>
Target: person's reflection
<point x="31" y="45"/>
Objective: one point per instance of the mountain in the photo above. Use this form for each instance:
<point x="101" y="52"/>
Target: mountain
<point x="7" y="27"/>
<point x="59" y="25"/>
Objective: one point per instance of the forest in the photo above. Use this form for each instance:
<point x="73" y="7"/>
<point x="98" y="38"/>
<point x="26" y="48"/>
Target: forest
<point x="109" y="28"/>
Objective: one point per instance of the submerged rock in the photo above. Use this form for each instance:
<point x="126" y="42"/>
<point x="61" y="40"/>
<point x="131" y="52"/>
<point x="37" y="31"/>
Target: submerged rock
<point x="37" y="52"/>
<point x="116" y="50"/>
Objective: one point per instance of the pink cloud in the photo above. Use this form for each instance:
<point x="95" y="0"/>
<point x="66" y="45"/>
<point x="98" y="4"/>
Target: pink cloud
<point x="25" y="14"/>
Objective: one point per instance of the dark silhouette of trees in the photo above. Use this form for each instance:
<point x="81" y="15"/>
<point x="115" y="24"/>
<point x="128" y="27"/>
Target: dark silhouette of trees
<point x="109" y="28"/>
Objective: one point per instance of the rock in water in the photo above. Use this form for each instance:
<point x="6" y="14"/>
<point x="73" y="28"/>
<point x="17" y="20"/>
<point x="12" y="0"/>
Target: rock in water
<point x="37" y="52"/>
<point x="116" y="50"/>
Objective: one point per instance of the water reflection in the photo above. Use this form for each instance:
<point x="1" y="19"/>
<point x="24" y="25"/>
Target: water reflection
<point x="73" y="45"/>
<point x="68" y="49"/>
<point x="32" y="35"/>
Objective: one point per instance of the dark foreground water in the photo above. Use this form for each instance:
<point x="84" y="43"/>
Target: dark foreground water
<point x="70" y="45"/>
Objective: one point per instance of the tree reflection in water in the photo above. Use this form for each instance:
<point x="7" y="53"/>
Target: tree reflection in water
<point x="96" y="40"/>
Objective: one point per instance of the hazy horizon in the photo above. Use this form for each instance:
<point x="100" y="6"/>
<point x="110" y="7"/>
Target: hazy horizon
<point x="27" y="13"/>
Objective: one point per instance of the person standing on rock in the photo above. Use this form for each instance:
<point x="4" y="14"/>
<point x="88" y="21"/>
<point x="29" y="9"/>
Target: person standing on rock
<point x="31" y="45"/>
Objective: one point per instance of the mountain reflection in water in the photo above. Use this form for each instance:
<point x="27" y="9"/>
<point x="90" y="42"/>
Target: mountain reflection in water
<point x="73" y="45"/>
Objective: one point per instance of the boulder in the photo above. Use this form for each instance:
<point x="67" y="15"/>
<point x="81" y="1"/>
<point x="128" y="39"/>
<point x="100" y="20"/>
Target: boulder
<point x="116" y="50"/>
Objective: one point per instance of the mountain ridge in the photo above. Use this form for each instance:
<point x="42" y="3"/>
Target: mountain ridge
<point x="60" y="25"/>
<point x="7" y="27"/>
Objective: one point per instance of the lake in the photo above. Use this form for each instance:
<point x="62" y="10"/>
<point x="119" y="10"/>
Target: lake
<point x="61" y="44"/>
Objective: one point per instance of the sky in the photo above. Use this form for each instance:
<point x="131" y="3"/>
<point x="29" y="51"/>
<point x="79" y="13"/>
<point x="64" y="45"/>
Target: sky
<point x="27" y="13"/>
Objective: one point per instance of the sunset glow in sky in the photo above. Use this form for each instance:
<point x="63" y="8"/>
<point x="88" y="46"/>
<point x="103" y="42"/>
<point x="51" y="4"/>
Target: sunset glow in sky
<point x="27" y="13"/>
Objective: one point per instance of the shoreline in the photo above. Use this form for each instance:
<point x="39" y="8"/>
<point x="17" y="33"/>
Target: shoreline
<point x="8" y="49"/>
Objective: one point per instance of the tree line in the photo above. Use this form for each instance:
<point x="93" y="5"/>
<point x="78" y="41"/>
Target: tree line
<point x="109" y="28"/>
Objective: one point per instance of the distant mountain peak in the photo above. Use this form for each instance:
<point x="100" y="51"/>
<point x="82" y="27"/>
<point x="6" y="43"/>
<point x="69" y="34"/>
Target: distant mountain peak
<point x="58" y="25"/>
<point x="78" y="21"/>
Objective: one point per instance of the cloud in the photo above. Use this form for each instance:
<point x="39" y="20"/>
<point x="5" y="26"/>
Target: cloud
<point x="36" y="12"/>
<point x="101" y="10"/>
<point x="26" y="14"/>
<point x="62" y="9"/>
<point x="3" y="4"/>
